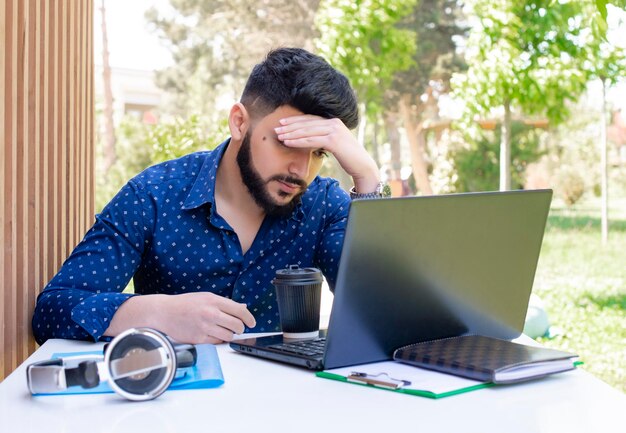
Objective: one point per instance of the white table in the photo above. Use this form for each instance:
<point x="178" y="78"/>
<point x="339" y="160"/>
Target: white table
<point x="263" y="396"/>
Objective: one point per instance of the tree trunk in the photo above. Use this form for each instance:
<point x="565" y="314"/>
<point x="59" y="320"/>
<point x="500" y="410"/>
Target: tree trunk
<point x="505" y="148"/>
<point x="393" y="137"/>
<point x="110" y="155"/>
<point x="604" y="169"/>
<point x="417" y="145"/>
<point x="391" y="127"/>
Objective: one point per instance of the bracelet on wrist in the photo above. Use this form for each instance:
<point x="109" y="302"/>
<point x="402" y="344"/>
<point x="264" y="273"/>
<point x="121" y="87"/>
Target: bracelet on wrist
<point x="382" y="191"/>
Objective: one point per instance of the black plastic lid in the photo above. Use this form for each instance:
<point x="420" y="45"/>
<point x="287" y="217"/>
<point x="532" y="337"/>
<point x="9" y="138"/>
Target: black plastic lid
<point x="294" y="273"/>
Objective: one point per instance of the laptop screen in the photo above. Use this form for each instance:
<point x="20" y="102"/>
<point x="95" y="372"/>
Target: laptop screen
<point x="419" y="268"/>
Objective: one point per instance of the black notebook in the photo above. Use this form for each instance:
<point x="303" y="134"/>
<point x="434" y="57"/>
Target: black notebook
<point x="486" y="359"/>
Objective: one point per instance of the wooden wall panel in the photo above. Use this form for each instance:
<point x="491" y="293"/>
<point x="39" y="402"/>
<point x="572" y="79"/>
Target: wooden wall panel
<point x="46" y="154"/>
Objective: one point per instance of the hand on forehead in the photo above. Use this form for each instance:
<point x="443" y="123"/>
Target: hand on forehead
<point x="307" y="130"/>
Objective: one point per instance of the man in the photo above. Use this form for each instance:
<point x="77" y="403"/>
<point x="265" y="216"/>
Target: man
<point x="203" y="235"/>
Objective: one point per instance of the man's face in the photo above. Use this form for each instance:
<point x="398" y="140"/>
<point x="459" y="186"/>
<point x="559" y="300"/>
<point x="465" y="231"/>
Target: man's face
<point x="276" y="175"/>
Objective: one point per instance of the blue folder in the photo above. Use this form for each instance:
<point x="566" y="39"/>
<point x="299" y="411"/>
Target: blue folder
<point x="207" y="373"/>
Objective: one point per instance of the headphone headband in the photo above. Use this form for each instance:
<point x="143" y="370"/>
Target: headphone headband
<point x="139" y="364"/>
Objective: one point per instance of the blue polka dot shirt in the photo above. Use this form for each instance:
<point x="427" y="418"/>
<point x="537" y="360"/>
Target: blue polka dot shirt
<point x="162" y="229"/>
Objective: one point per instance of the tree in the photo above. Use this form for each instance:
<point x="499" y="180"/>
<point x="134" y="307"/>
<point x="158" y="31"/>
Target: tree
<point x="525" y="56"/>
<point x="141" y="145"/>
<point x="215" y="44"/>
<point x="476" y="162"/>
<point x="108" y="149"/>
<point x="362" y="39"/>
<point x="395" y="53"/>
<point x="415" y="92"/>
<point x="535" y="55"/>
<point x="181" y="136"/>
<point x="605" y="63"/>
<point x="600" y="22"/>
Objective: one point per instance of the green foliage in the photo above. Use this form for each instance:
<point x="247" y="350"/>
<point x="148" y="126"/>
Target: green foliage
<point x="141" y="145"/>
<point x="605" y="61"/>
<point x="599" y="23"/>
<point x="569" y="185"/>
<point x="362" y="39"/>
<point x="133" y="156"/>
<point x="182" y="136"/>
<point x="477" y="163"/>
<point x="390" y="48"/>
<point x="534" y="56"/>
<point x="395" y="53"/>
<point x="583" y="286"/>
<point x="528" y="53"/>
<point x="215" y="44"/>
<point x="573" y="147"/>
<point x="436" y="58"/>
<point x="537" y="54"/>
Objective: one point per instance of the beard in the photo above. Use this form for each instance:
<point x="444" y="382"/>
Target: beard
<point x="257" y="186"/>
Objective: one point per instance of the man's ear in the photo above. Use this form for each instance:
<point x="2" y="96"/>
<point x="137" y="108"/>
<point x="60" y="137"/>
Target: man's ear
<point x="238" y="121"/>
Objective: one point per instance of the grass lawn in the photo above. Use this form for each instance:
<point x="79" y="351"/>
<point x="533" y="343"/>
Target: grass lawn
<point x="583" y="286"/>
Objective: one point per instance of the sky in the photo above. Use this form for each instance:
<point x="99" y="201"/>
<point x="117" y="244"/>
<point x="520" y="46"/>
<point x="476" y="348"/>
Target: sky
<point x="132" y="44"/>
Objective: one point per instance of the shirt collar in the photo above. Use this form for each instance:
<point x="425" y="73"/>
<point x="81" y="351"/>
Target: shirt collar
<point x="203" y="189"/>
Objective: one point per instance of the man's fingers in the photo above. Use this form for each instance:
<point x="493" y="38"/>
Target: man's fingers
<point x="220" y="333"/>
<point x="299" y="118"/>
<point x="323" y="123"/>
<point x="307" y="132"/>
<point x="212" y="340"/>
<point x="309" y="125"/>
<point x="231" y="323"/>
<point x="238" y="310"/>
<point x="313" y="131"/>
<point x="246" y="317"/>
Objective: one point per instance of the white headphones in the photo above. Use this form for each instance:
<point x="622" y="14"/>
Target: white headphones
<point x="139" y="364"/>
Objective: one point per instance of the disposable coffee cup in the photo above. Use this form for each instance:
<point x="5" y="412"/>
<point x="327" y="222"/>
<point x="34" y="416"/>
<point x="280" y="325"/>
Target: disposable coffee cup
<point x="299" y="294"/>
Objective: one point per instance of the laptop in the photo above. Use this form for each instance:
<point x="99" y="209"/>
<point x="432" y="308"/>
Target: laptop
<point x="415" y="269"/>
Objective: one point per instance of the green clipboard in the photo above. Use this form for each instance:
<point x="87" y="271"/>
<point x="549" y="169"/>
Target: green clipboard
<point x="404" y="379"/>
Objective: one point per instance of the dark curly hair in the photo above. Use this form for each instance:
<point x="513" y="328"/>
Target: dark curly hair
<point x="305" y="81"/>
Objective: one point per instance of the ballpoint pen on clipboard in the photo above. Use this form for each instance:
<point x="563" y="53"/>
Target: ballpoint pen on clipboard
<point x="382" y="380"/>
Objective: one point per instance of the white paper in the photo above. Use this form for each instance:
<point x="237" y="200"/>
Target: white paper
<point x="421" y="379"/>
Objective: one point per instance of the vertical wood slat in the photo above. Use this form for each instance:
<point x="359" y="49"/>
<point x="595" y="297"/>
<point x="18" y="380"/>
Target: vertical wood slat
<point x="3" y="40"/>
<point x="4" y="63"/>
<point x="17" y="191"/>
<point x="63" y="121"/>
<point x="90" y="196"/>
<point x="46" y="154"/>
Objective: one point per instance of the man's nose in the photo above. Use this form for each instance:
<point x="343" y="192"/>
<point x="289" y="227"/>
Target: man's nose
<point x="300" y="163"/>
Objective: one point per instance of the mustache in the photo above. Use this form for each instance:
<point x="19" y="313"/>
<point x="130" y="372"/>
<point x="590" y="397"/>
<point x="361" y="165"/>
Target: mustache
<point x="289" y="179"/>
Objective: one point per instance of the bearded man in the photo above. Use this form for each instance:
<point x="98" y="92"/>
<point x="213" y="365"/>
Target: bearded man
<point x="203" y="235"/>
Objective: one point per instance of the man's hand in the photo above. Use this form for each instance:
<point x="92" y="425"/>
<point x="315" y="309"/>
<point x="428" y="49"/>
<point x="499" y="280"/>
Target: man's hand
<point x="309" y="131"/>
<point x="206" y="318"/>
<point x="195" y="318"/>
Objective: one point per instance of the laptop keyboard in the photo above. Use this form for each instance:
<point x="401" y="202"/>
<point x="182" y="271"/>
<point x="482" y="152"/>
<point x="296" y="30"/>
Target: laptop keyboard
<point x="305" y="347"/>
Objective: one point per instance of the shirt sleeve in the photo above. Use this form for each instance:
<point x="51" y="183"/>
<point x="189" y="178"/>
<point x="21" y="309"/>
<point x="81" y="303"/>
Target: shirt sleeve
<point x="336" y="218"/>
<point x="83" y="296"/>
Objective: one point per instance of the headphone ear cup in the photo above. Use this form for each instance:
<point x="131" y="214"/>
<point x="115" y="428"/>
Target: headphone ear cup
<point x="149" y="382"/>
